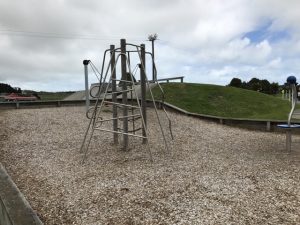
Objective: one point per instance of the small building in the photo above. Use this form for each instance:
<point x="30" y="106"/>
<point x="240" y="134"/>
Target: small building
<point x="18" y="97"/>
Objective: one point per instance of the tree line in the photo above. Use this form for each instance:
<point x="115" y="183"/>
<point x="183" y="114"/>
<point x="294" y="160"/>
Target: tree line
<point x="6" y="88"/>
<point x="256" y="84"/>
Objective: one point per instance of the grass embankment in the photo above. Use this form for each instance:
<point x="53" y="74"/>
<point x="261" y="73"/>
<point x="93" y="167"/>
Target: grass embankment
<point x="225" y="101"/>
<point x="53" y="96"/>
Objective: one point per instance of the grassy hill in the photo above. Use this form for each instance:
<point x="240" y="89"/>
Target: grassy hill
<point x="225" y="101"/>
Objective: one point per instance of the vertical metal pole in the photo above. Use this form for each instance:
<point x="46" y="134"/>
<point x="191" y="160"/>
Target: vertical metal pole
<point x="268" y="125"/>
<point x="128" y="57"/>
<point x="153" y="70"/>
<point x="294" y="100"/>
<point x="114" y="89"/>
<point x="86" y="76"/>
<point x="124" y="94"/>
<point x="143" y="89"/>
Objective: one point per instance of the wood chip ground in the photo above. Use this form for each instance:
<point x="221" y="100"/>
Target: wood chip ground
<point x="212" y="174"/>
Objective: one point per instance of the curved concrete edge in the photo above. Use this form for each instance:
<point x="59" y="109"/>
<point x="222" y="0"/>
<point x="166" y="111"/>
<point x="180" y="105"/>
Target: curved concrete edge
<point x="257" y="124"/>
<point x="14" y="208"/>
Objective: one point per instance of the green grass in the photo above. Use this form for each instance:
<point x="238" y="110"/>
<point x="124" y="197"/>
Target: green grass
<point x="51" y="96"/>
<point x="224" y="101"/>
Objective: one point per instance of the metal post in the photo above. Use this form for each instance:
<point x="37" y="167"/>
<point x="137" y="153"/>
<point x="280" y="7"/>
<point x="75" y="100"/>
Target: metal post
<point x="124" y="94"/>
<point x="153" y="70"/>
<point x="268" y="125"/>
<point x="114" y="90"/>
<point x="143" y="90"/>
<point x="86" y="76"/>
<point x="293" y="99"/>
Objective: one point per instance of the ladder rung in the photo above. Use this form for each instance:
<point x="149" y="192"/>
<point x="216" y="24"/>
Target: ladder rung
<point x="118" y="132"/>
<point x="138" y="117"/>
<point x="121" y="117"/>
<point x="120" y="104"/>
<point x="119" y="92"/>
<point x="127" y="81"/>
<point x="137" y="129"/>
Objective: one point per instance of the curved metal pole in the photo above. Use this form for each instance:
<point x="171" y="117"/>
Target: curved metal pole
<point x="294" y="100"/>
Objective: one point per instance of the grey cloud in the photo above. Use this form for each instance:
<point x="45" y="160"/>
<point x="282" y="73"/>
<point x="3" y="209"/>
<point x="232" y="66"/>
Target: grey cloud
<point x="195" y="37"/>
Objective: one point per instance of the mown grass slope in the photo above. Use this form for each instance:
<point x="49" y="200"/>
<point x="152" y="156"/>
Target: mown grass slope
<point x="224" y="101"/>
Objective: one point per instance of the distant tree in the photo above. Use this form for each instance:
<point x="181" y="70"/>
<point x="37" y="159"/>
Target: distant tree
<point x="265" y="86"/>
<point x="254" y="84"/>
<point x="274" y="88"/>
<point x="244" y="85"/>
<point x="235" y="82"/>
<point x="6" y="88"/>
<point x="18" y="90"/>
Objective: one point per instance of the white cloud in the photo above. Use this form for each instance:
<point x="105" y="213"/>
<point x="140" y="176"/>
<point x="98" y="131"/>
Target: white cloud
<point x="275" y="63"/>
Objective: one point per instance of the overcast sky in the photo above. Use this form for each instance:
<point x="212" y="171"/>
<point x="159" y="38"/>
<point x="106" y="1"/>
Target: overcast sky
<point x="43" y="42"/>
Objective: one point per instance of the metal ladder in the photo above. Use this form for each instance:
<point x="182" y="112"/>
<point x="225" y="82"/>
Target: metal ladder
<point x="96" y="121"/>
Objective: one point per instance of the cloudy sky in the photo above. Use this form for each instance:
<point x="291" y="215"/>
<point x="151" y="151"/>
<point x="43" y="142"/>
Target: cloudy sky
<point x="43" y="42"/>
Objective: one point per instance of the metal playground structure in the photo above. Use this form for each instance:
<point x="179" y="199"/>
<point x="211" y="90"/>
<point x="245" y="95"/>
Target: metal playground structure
<point x="127" y="99"/>
<point x="292" y="82"/>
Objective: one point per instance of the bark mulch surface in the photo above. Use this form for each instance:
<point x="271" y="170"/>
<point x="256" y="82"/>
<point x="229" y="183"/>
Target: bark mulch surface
<point x="212" y="174"/>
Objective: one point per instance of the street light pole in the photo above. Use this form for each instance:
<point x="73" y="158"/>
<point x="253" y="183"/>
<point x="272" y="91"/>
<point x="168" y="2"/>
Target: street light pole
<point x="152" y="38"/>
<point x="86" y="79"/>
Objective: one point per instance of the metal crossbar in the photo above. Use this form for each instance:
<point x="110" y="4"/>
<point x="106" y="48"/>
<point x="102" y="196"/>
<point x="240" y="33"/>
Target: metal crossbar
<point x="120" y="117"/>
<point x="126" y="81"/>
<point x="119" y="92"/>
<point x="121" y="104"/>
<point x="118" y="132"/>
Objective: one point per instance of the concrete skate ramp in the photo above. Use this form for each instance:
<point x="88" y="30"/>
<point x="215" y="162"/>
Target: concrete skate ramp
<point x="80" y="95"/>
